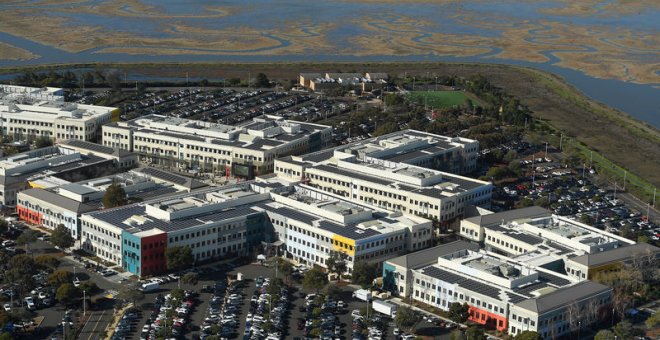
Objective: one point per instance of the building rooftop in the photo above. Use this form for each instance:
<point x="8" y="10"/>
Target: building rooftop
<point x="509" y="215"/>
<point x="48" y="108"/>
<point x="98" y="148"/>
<point x="616" y="255"/>
<point x="430" y="255"/>
<point x="262" y="133"/>
<point x="214" y="204"/>
<point x="87" y="195"/>
<point x="562" y="297"/>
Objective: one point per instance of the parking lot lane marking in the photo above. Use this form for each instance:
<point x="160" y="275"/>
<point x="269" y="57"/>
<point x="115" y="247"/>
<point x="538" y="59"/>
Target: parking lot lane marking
<point x="96" y="325"/>
<point x="91" y="314"/>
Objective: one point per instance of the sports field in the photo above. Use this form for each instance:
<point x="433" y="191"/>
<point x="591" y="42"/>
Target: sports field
<point x="438" y="99"/>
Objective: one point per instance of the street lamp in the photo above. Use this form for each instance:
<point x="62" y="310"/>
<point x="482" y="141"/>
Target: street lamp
<point x="579" y="326"/>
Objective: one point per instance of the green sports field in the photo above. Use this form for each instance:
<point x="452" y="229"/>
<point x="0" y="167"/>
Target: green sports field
<point x="438" y="99"/>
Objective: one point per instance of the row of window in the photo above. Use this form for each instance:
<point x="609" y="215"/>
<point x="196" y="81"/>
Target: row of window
<point x="505" y="244"/>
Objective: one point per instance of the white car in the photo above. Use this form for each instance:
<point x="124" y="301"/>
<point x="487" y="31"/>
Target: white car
<point x="356" y="313"/>
<point x="7" y="307"/>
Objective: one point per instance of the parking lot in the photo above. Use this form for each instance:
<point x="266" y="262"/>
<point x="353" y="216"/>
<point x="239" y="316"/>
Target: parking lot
<point x="224" y="105"/>
<point x="261" y="306"/>
<point x="576" y="193"/>
<point x="38" y="303"/>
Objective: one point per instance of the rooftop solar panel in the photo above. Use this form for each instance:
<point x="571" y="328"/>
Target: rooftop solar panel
<point x="164" y="175"/>
<point x="351" y="232"/>
<point x="89" y="146"/>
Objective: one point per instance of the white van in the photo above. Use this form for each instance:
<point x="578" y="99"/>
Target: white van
<point x="149" y="287"/>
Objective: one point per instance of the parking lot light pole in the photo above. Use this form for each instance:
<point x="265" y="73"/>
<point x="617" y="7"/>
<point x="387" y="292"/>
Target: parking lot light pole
<point x="84" y="304"/>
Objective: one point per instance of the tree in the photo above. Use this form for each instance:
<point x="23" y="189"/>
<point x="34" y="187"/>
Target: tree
<point x="19" y="272"/>
<point x="234" y="81"/>
<point x="9" y="150"/>
<point x="286" y="268"/>
<point x="177" y="294"/>
<point x="337" y="263"/>
<point x="89" y="287"/>
<point x="315" y="279"/>
<point x="115" y="196"/>
<point x="130" y="293"/>
<point x="61" y="237"/>
<point x="190" y="278"/>
<point x="47" y="261"/>
<point x="43" y="142"/>
<point x="458" y="312"/>
<point x="178" y="257"/>
<point x="4" y="226"/>
<point x="653" y="321"/>
<point x="66" y="293"/>
<point x="525" y="202"/>
<point x="586" y="219"/>
<point x="333" y="292"/>
<point x="60" y="277"/>
<point x="624" y="330"/>
<point x="385" y="128"/>
<point x="475" y="332"/>
<point x="364" y="273"/>
<point x="528" y="335"/>
<point x="393" y="99"/>
<point x="262" y="80"/>
<point x="405" y="318"/>
<point x="27" y="237"/>
<point x="457" y="334"/>
<point x="604" y="335"/>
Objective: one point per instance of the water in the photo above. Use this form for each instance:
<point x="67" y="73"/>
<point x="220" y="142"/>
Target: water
<point x="347" y="19"/>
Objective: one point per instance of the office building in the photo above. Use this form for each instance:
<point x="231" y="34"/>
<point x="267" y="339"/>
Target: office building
<point x="237" y="220"/>
<point x="394" y="172"/>
<point x="354" y="81"/>
<point x="29" y="113"/>
<point x="246" y="150"/>
<point x="536" y="237"/>
<point x="38" y="167"/>
<point x="64" y="203"/>
<point x="502" y="293"/>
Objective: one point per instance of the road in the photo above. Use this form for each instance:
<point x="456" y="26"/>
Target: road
<point x="96" y="324"/>
<point x="633" y="202"/>
<point x="102" y="311"/>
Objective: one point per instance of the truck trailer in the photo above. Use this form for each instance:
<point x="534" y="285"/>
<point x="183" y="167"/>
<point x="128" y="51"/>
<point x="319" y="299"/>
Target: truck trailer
<point x="384" y="307"/>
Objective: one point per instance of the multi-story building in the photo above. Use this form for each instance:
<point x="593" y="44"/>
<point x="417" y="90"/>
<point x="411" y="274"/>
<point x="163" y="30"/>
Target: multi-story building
<point x="638" y="255"/>
<point x="356" y="81"/>
<point x="562" y="312"/>
<point x="37" y="93"/>
<point x="398" y="272"/>
<point x="314" y="224"/>
<point x="66" y="202"/>
<point x="502" y="293"/>
<point x="535" y="236"/>
<point x="28" y="169"/>
<point x="235" y="220"/>
<point x="456" y="155"/>
<point x="246" y="150"/>
<point x="369" y="173"/>
<point x="28" y="113"/>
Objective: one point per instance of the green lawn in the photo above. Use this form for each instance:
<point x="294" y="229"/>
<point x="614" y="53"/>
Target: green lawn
<point x="438" y="99"/>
